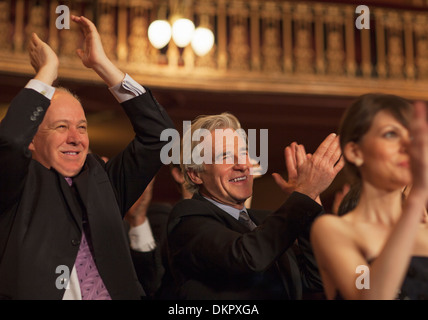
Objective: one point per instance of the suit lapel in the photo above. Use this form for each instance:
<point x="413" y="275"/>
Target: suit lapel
<point x="82" y="184"/>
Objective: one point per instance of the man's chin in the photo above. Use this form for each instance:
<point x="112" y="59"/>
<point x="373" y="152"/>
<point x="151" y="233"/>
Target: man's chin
<point x="243" y="199"/>
<point x="69" y="172"/>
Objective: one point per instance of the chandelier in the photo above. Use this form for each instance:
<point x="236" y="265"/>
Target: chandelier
<point x="181" y="29"/>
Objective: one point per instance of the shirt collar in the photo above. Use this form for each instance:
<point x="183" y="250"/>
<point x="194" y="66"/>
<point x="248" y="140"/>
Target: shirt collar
<point x="230" y="210"/>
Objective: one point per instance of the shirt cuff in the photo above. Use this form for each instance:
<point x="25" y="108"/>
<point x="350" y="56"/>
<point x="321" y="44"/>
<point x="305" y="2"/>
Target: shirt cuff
<point x="127" y="89"/>
<point x="141" y="237"/>
<point x="41" y="87"/>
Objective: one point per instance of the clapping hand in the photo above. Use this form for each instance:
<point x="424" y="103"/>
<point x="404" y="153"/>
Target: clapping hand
<point x="93" y="54"/>
<point x="43" y="59"/>
<point x="311" y="174"/>
<point x="288" y="187"/>
<point x="93" y="51"/>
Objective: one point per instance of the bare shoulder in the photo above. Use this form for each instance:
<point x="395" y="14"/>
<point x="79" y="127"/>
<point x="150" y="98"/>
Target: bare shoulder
<point x="330" y="228"/>
<point x="330" y="222"/>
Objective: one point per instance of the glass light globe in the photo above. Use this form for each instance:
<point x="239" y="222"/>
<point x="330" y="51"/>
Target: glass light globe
<point x="182" y="32"/>
<point x="203" y="41"/>
<point x="159" y="33"/>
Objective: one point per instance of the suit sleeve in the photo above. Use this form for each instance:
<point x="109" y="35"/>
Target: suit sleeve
<point x="17" y="130"/>
<point x="311" y="277"/>
<point x="132" y="170"/>
<point x="201" y="241"/>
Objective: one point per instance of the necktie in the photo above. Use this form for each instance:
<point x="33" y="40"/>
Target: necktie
<point x="69" y="181"/>
<point x="244" y="218"/>
<point x="91" y="285"/>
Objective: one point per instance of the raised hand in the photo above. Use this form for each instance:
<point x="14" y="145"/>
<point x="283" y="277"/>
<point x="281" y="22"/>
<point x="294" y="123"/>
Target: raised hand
<point x="93" y="55"/>
<point x="93" y="51"/>
<point x="43" y="59"/>
<point x="288" y="187"/>
<point x="316" y="172"/>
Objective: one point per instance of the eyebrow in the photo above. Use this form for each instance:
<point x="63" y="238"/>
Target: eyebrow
<point x="68" y="121"/>
<point x="392" y="126"/>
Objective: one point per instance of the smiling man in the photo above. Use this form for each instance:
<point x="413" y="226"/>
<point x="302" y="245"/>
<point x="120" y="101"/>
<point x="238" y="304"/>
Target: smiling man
<point x="62" y="140"/>
<point x="227" y="177"/>
<point x="218" y="248"/>
<point x="61" y="208"/>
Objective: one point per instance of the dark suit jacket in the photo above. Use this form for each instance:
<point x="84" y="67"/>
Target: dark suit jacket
<point x="41" y="216"/>
<point x="213" y="256"/>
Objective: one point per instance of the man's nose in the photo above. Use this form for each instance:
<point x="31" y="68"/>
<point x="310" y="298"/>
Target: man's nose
<point x="73" y="136"/>
<point x="242" y="163"/>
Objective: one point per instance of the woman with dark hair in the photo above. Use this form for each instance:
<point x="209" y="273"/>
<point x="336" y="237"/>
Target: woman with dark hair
<point x="379" y="249"/>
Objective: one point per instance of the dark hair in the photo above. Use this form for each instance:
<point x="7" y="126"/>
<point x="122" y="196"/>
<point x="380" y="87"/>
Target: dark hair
<point x="350" y="200"/>
<point x="358" y="119"/>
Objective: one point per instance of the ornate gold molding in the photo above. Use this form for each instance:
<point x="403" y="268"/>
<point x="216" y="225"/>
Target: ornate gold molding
<point x="264" y="46"/>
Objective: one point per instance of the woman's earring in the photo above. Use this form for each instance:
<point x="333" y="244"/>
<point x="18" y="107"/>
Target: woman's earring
<point x="358" y="162"/>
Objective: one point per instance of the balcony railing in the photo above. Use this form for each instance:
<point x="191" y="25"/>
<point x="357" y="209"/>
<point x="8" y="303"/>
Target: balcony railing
<point x="269" y="46"/>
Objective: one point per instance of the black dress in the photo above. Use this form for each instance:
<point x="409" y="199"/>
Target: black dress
<point x="415" y="285"/>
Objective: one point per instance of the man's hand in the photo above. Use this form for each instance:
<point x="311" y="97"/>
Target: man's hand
<point x="288" y="187"/>
<point x="93" y="55"/>
<point x="43" y="59"/>
<point x="93" y="52"/>
<point x="311" y="174"/>
<point x="316" y="172"/>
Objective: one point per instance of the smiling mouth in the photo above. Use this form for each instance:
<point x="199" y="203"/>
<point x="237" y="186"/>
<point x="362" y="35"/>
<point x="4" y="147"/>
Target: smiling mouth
<point x="238" y="179"/>
<point x="71" y="153"/>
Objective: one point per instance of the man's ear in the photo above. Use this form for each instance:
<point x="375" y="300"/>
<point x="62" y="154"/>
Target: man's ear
<point x="353" y="154"/>
<point x="194" y="176"/>
<point x="177" y="175"/>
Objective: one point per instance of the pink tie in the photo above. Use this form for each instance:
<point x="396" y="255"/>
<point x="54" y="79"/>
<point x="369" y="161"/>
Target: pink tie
<point x="91" y="285"/>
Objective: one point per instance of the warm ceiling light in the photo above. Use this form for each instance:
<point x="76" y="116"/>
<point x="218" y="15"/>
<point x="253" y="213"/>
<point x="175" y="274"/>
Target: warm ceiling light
<point x="159" y="33"/>
<point x="182" y="32"/>
<point x="203" y="41"/>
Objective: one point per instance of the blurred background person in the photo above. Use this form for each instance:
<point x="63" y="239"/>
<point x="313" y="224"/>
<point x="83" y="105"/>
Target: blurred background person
<point x="382" y="234"/>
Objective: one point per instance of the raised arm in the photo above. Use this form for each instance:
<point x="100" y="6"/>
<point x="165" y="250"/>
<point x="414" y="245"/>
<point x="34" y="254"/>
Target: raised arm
<point x="22" y="120"/>
<point x="131" y="170"/>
